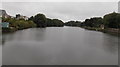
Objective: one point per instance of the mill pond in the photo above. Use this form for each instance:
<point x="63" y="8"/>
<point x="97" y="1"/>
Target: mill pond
<point x="59" y="46"/>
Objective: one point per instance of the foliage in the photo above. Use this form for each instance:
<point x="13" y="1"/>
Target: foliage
<point x="57" y="22"/>
<point x="112" y="20"/>
<point x="19" y="24"/>
<point x="73" y="23"/>
<point x="93" y="22"/>
<point x="42" y="21"/>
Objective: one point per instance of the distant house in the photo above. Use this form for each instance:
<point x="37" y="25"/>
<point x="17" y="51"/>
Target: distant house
<point x="25" y="17"/>
<point x="4" y="14"/>
<point x="5" y="24"/>
<point x="102" y="26"/>
<point x="18" y="16"/>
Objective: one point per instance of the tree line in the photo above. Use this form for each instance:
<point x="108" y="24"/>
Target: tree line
<point x="111" y="20"/>
<point x="19" y="24"/>
<point x="38" y="20"/>
<point x="42" y="21"/>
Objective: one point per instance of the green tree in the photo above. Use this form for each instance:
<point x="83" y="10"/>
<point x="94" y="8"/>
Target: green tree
<point x="40" y="20"/>
<point x="93" y="22"/>
<point x="57" y="22"/>
<point x="73" y="23"/>
<point x="112" y="20"/>
<point x="31" y="18"/>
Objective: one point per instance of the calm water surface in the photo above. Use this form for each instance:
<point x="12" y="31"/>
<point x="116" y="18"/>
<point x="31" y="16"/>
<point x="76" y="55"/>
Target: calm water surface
<point x="59" y="46"/>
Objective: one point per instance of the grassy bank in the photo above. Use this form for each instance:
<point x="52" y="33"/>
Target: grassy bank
<point x="8" y="30"/>
<point x="107" y="30"/>
<point x="16" y="24"/>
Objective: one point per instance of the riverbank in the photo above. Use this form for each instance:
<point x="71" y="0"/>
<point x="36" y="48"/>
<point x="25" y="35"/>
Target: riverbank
<point x="8" y="30"/>
<point x="11" y="29"/>
<point x="107" y="30"/>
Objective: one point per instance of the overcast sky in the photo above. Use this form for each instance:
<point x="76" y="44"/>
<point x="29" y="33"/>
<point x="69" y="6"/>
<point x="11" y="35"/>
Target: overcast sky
<point x="62" y="10"/>
<point x="59" y="0"/>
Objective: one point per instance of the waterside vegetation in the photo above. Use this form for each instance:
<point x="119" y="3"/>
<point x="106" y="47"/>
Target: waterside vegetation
<point x="109" y="23"/>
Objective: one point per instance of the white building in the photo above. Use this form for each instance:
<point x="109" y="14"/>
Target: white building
<point x="18" y="16"/>
<point x="4" y="14"/>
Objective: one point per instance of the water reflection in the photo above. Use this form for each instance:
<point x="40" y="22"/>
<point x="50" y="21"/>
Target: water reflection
<point x="59" y="46"/>
<point x="110" y="43"/>
<point x="39" y="35"/>
<point x="7" y="37"/>
<point x="0" y="48"/>
<point x="36" y="34"/>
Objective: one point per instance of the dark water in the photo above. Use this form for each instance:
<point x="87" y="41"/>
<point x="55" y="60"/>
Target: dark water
<point x="59" y="46"/>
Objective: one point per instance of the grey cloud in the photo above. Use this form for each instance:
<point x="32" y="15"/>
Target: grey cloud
<point x="61" y="10"/>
